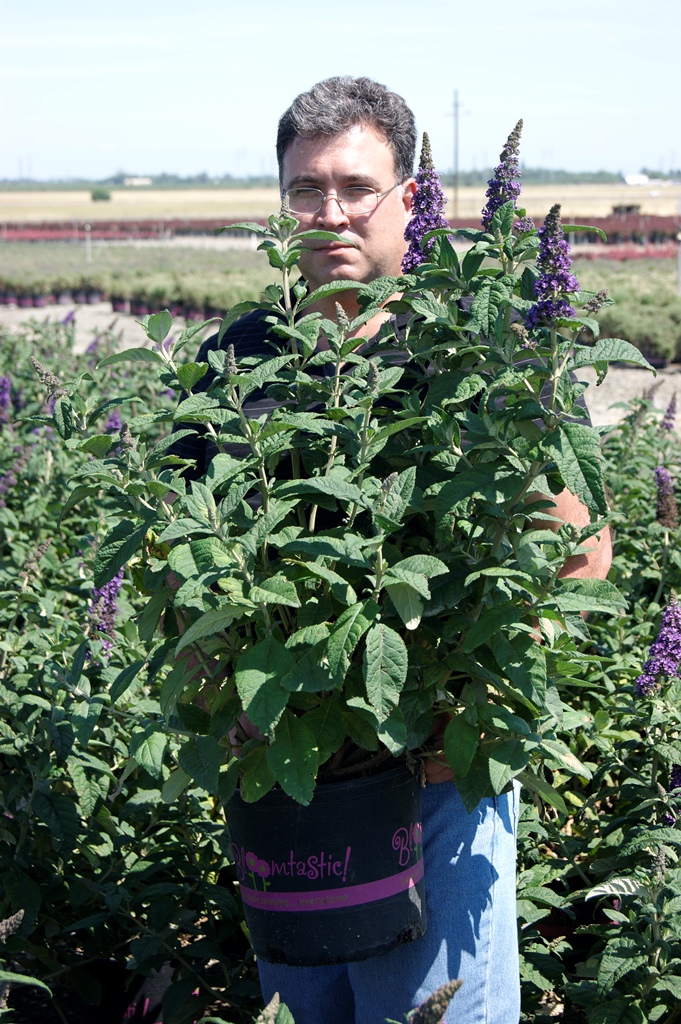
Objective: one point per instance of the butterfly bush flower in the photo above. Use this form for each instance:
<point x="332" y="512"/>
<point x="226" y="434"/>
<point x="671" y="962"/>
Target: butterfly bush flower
<point x="596" y="301"/>
<point x="103" y="611"/>
<point x="501" y="186"/>
<point x="555" y="278"/>
<point x="523" y="225"/>
<point x="114" y="422"/>
<point x="669" y="419"/>
<point x="665" y="652"/>
<point x="5" y="399"/>
<point x="432" y="1011"/>
<point x="667" y="509"/>
<point x="426" y="210"/>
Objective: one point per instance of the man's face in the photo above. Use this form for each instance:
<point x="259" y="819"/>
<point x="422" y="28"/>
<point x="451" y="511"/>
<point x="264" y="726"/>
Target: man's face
<point x="360" y="156"/>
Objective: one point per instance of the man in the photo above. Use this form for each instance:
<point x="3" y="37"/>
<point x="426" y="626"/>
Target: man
<point x="346" y="154"/>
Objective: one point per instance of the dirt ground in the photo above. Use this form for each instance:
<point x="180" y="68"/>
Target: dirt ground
<point x="621" y="384"/>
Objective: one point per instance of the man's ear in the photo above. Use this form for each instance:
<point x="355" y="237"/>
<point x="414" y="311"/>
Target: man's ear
<point x="408" y="191"/>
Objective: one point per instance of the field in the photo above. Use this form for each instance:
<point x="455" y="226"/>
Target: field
<point x="137" y="203"/>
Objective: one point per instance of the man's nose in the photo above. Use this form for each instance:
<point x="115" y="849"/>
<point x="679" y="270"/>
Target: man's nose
<point x="331" y="212"/>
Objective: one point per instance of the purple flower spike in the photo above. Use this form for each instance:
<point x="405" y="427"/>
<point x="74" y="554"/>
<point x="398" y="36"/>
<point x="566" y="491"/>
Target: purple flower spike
<point x="667" y="509"/>
<point x="103" y="611"/>
<point x="5" y="399"/>
<point x="114" y="422"/>
<point x="555" y="279"/>
<point x="669" y="418"/>
<point x="675" y="777"/>
<point x="426" y="210"/>
<point x="502" y="188"/>
<point x="665" y="652"/>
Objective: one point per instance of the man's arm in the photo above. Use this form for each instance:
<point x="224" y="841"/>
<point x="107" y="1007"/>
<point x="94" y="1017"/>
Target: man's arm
<point x="595" y="561"/>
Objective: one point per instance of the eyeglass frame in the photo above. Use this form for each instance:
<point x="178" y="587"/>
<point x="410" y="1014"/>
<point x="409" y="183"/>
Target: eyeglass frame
<point x="331" y="195"/>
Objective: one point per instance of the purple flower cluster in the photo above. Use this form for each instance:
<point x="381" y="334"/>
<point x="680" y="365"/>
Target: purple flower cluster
<point x="426" y="210"/>
<point x="114" y="422"/>
<point x="667" y="509"/>
<point x="523" y="224"/>
<point x="501" y="186"/>
<point x="10" y="479"/>
<point x="104" y="609"/>
<point x="5" y="399"/>
<point x="665" y="652"/>
<point x="669" y="419"/>
<point x="555" y="278"/>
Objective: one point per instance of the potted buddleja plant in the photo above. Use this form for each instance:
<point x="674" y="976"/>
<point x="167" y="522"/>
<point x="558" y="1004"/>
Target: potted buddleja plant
<point x="376" y="567"/>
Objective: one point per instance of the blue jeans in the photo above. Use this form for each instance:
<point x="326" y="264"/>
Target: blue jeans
<point x="471" y="903"/>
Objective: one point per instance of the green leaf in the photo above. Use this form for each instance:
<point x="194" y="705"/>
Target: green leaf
<point x="608" y="350"/>
<point x="426" y="565"/>
<point x="257" y="777"/>
<point x="124" y="679"/>
<point x="208" y="624"/>
<point x="59" y="813"/>
<point x="148" y="745"/>
<point x="415" y="580"/>
<point x="486" y="305"/>
<point x="258" y="681"/>
<point x="408" y="603"/>
<point x="199" y="556"/>
<point x="502" y="219"/>
<point x="117" y="548"/>
<point x="506" y="760"/>
<point x="558" y="753"/>
<point x="63" y="417"/>
<point x="619" y="958"/>
<point x="617" y="887"/>
<point x="293" y="757"/>
<point x="586" y="227"/>
<point x="90" y="789"/>
<point x="491" y="622"/>
<point x="190" y="374"/>
<point x="576" y="450"/>
<point x="618" y="1011"/>
<point x="332" y="485"/>
<point x="200" y="757"/>
<point x="326" y="724"/>
<point x="157" y="325"/>
<point x="652" y="839"/>
<point x="175" y="785"/>
<point x="385" y="668"/>
<point x="10" y="978"/>
<point x="460" y="744"/>
<point x="62" y="738"/>
<point x="97" y="444"/>
<point x="275" y="590"/>
<point x="537" y="784"/>
<point x="585" y="595"/>
<point x="75" y="497"/>
<point x="131" y="355"/>
<point x="349" y="628"/>
<point x="670" y="983"/>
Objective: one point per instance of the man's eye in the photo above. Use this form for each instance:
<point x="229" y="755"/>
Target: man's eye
<point x="357" y="190"/>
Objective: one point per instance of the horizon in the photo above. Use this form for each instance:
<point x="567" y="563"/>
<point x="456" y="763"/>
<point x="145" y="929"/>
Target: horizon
<point x="153" y="85"/>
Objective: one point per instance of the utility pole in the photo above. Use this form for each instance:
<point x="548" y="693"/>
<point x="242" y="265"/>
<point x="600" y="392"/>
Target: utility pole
<point x="455" y="204"/>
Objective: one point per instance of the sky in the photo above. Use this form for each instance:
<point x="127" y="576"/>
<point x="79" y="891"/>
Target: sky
<point x="144" y="86"/>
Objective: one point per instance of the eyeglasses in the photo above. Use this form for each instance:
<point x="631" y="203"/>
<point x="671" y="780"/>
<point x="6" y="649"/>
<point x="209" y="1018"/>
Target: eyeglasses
<point x="354" y="200"/>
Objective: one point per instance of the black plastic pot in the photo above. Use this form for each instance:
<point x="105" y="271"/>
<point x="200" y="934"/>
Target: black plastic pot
<point x="339" y="880"/>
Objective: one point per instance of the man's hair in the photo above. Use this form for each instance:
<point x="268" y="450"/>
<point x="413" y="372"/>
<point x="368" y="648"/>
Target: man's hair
<point x="337" y="104"/>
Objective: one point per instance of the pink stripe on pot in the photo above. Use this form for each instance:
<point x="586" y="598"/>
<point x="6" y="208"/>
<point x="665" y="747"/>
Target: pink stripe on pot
<point x="329" y="899"/>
